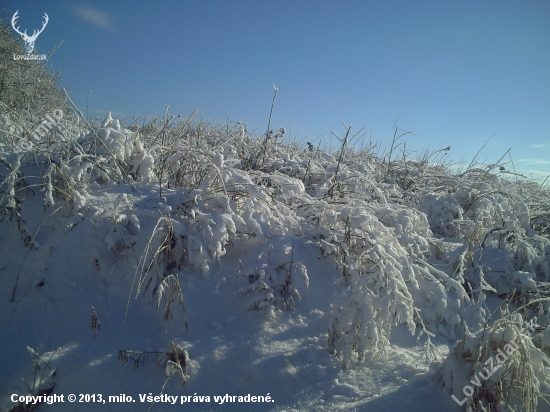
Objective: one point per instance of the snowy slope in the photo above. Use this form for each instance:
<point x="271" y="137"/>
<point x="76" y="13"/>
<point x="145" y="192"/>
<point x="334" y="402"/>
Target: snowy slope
<point x="316" y="279"/>
<point x="236" y="352"/>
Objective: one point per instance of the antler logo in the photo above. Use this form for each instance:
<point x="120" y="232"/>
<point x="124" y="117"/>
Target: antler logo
<point x="29" y="40"/>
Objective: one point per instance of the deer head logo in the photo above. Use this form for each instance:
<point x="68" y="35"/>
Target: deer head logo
<point x="29" y="40"/>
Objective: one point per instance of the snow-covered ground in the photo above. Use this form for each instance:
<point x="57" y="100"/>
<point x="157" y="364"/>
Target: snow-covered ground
<point x="316" y="281"/>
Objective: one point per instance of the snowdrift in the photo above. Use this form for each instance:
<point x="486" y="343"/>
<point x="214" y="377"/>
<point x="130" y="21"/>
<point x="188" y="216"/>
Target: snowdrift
<point x="198" y="261"/>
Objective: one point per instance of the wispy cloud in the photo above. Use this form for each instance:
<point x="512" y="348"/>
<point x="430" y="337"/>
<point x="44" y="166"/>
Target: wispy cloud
<point x="96" y="17"/>
<point x="538" y="146"/>
<point x="538" y="172"/>
<point x="534" y="161"/>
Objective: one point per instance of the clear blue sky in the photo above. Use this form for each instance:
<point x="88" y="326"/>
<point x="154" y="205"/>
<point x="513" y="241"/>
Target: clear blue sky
<point x="453" y="72"/>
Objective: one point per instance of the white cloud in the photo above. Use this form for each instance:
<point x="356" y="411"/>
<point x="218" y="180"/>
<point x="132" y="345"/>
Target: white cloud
<point x="535" y="161"/>
<point x="95" y="17"/>
<point x="538" y="172"/>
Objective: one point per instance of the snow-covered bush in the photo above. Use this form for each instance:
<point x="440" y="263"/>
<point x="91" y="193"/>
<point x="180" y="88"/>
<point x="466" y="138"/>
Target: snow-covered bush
<point x="26" y="84"/>
<point x="384" y="284"/>
<point x="270" y="281"/>
<point x="444" y="214"/>
<point x="496" y="368"/>
<point x="118" y="153"/>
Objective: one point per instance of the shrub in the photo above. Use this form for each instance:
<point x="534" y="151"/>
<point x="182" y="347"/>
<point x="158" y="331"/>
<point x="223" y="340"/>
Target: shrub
<point x="25" y="85"/>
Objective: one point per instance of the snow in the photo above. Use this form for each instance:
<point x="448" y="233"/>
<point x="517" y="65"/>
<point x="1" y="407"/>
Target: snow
<point x="182" y="271"/>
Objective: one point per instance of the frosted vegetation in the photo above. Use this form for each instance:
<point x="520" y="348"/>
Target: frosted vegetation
<point x="461" y="254"/>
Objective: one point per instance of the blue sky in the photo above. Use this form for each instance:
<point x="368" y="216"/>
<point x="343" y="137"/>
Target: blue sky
<point x="453" y="72"/>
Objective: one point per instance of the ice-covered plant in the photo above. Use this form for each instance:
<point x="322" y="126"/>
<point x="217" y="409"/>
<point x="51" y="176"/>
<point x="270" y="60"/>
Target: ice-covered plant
<point x="496" y="367"/>
<point x="384" y="285"/>
<point x="270" y="281"/>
